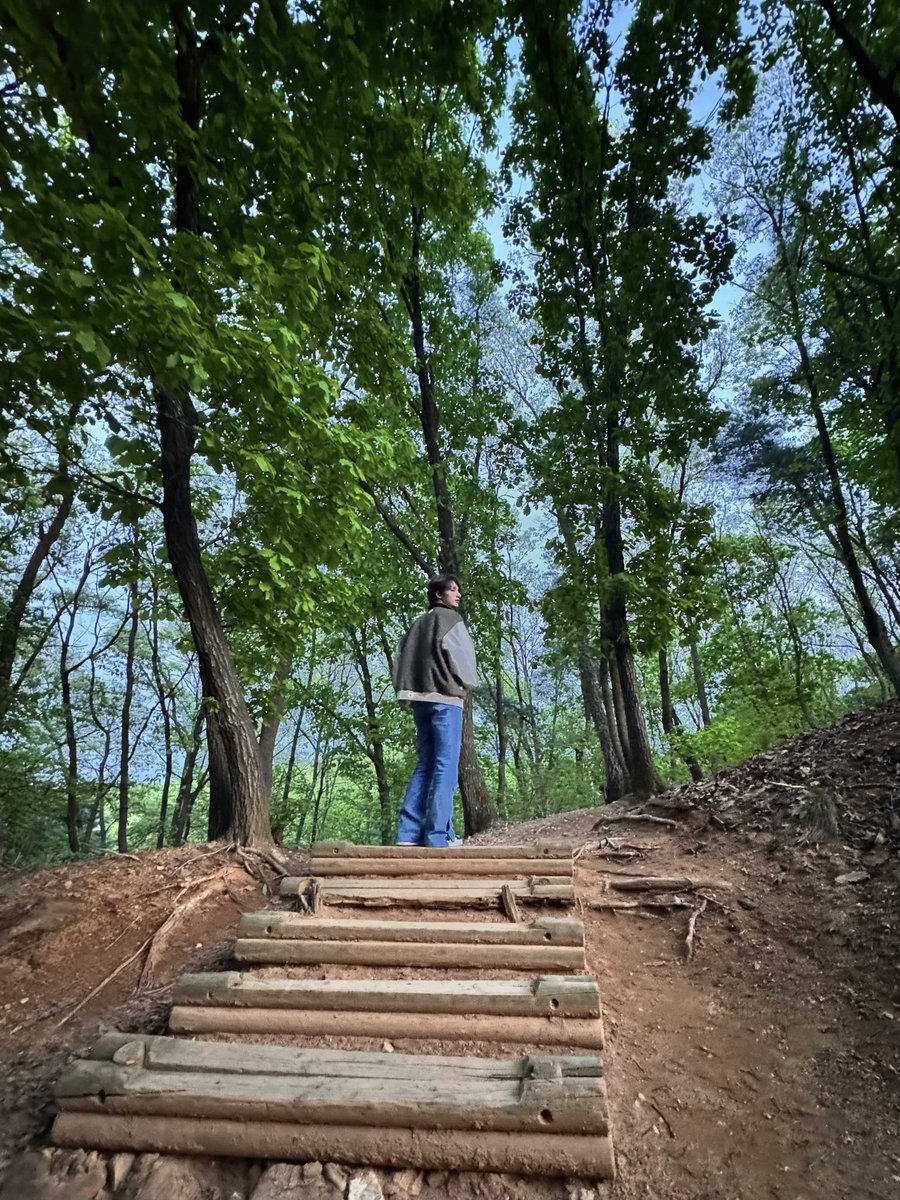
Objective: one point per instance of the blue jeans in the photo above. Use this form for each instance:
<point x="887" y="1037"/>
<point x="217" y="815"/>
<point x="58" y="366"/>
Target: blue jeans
<point x="428" y="804"/>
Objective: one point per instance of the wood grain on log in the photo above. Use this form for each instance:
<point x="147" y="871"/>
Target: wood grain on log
<point x="547" y="957"/>
<point x="420" y="867"/>
<point x="535" y="850"/>
<point x="276" y="924"/>
<point x="538" y="1031"/>
<point x="546" y="995"/>
<point x="523" y="1153"/>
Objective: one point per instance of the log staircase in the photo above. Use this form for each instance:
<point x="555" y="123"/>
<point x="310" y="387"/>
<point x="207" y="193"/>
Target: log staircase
<point x="541" y="1111"/>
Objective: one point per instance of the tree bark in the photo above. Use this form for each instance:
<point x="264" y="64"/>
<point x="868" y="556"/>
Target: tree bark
<point x="615" y="783"/>
<point x="15" y="612"/>
<point x="502" y="739"/>
<point x="374" y="739"/>
<point x="183" y="801"/>
<point x="671" y="722"/>
<point x="125" y="746"/>
<point x="177" y="420"/>
<point x="269" y="731"/>
<point x="479" y="811"/>
<point x="700" y="683"/>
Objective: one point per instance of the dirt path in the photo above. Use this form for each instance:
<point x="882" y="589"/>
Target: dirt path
<point x="765" y="1067"/>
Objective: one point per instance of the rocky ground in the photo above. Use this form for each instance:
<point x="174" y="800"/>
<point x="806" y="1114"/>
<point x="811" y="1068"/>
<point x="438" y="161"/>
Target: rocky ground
<point x="764" y="1064"/>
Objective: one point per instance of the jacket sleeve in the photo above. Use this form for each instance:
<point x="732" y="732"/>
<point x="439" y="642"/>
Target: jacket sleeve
<point x="457" y="645"/>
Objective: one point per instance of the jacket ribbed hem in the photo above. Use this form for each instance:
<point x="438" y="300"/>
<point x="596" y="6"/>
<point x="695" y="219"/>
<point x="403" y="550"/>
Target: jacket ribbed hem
<point x="431" y="698"/>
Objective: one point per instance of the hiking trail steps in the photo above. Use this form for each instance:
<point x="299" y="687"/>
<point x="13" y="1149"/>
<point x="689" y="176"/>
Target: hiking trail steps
<point x="544" y="1112"/>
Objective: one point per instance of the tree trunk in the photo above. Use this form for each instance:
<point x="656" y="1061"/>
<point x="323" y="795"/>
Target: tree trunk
<point x="221" y="796"/>
<point x="65" y="675"/>
<point x="700" y="683"/>
<point x="180" y="818"/>
<point x="163" y="697"/>
<point x="269" y="731"/>
<point x="12" y="620"/>
<point x="125" y="746"/>
<point x="671" y="722"/>
<point x="615" y="784"/>
<point x="618" y="709"/>
<point x="479" y="812"/>
<point x="177" y="421"/>
<point x="374" y="738"/>
<point x="881" y="81"/>
<point x="502" y="739"/>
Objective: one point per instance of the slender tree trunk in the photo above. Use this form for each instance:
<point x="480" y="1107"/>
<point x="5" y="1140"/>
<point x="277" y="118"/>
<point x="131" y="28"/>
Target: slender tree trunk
<point x="700" y="683"/>
<point x="65" y="676"/>
<point x="374" y="738"/>
<point x="875" y="628"/>
<point x="502" y="739"/>
<point x="671" y="722"/>
<point x="479" y="810"/>
<point x="177" y="422"/>
<point x="615" y="784"/>
<point x="125" y="748"/>
<point x="180" y="818"/>
<point x="268" y="733"/>
<point x="163" y="698"/>
<point x="12" y="619"/>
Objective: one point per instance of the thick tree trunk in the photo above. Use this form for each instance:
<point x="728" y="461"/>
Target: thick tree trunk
<point x="605" y="676"/>
<point x="12" y="620"/>
<point x="700" y="683"/>
<point x="618" y="708"/>
<point x="615" y="784"/>
<point x="221" y="795"/>
<point x="671" y="722"/>
<point x="125" y="745"/>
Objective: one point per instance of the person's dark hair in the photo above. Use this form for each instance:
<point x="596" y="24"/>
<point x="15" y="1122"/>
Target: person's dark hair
<point x="437" y="586"/>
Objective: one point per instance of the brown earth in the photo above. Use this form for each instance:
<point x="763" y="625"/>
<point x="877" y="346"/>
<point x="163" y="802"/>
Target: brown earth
<point x="767" y="1066"/>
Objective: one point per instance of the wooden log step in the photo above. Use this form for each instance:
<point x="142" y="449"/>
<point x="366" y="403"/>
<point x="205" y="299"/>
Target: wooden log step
<point x="277" y="924"/>
<point x="555" y="996"/>
<point x="379" y="1146"/>
<point x="586" y="1034"/>
<point x="429" y="893"/>
<point x="534" y="850"/>
<point x="423" y="867"/>
<point x="505" y="956"/>
<point x="157" y="1052"/>
<point x="215" y="1080"/>
<point x="419" y="884"/>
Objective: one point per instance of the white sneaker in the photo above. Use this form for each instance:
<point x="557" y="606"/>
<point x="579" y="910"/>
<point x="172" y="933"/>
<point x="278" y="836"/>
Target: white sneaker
<point x="406" y="843"/>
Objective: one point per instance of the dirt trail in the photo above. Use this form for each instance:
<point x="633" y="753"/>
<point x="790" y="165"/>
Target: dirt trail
<point x="768" y="1066"/>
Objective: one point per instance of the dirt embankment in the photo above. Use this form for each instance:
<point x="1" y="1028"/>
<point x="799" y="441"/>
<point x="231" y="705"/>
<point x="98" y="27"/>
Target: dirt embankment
<point x="767" y="1065"/>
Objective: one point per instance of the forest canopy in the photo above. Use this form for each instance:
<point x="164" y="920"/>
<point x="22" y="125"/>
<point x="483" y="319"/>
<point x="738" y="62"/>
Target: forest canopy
<point x="594" y="305"/>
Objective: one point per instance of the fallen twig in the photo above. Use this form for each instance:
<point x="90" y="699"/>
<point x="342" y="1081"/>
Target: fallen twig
<point x="666" y="903"/>
<point x="604" y="820"/>
<point x="658" y="883"/>
<point x="692" y="924"/>
<point x="509" y="903"/>
<point x="663" y="1116"/>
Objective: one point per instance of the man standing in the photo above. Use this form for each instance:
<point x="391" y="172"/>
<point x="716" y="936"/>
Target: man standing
<point x="435" y="668"/>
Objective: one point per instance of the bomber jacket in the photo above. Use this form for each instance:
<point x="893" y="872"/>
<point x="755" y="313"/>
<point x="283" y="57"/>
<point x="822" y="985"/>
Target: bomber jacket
<point x="436" y="659"/>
